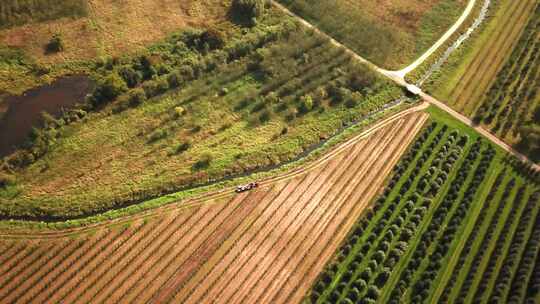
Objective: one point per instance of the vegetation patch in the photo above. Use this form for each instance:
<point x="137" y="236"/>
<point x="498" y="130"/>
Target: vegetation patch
<point x="493" y="78"/>
<point x="391" y="35"/>
<point x="230" y="99"/>
<point x="414" y="245"/>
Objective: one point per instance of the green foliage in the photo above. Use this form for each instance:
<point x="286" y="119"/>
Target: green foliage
<point x="130" y="76"/>
<point x="108" y="89"/>
<point x="181" y="147"/>
<point x="55" y="45"/>
<point x="6" y="180"/>
<point x="203" y="163"/>
<point x="157" y="135"/>
<point x="247" y="11"/>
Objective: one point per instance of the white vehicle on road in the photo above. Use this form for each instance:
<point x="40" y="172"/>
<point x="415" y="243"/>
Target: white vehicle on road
<point x="246" y="187"/>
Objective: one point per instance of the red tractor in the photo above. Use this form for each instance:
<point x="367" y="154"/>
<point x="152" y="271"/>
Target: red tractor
<point x="247" y="187"/>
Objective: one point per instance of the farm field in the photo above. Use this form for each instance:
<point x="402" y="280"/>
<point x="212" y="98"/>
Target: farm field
<point x="391" y="34"/>
<point x="197" y="108"/>
<point x="91" y="30"/>
<point x="457" y="223"/>
<point x="497" y="79"/>
<point x="263" y="246"/>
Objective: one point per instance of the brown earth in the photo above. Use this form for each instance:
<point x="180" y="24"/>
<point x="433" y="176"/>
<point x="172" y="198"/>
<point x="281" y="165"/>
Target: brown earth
<point x="264" y="246"/>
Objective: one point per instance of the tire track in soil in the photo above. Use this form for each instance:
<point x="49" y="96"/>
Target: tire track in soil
<point x="311" y="271"/>
<point x="210" y="245"/>
<point x="134" y="295"/>
<point x="270" y="211"/>
<point x="103" y="276"/>
<point x="323" y="228"/>
<point x="217" y="287"/>
<point x="188" y="243"/>
<point x="284" y="246"/>
<point x="231" y="292"/>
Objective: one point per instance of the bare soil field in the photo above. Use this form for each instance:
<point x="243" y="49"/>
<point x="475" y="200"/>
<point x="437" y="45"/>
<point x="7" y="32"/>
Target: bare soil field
<point x="263" y="246"/>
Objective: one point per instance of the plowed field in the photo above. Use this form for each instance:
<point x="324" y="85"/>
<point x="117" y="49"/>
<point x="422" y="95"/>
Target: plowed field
<point x="263" y="246"/>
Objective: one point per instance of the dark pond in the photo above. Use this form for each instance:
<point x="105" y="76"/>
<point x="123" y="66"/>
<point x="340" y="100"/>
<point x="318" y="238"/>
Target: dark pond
<point x="24" y="112"/>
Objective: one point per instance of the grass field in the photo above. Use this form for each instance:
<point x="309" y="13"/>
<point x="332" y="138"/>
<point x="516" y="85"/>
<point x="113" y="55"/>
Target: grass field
<point x="264" y="246"/>
<point x="107" y="29"/>
<point x="496" y="77"/>
<point x="265" y="97"/>
<point x="391" y="34"/>
<point x="440" y="223"/>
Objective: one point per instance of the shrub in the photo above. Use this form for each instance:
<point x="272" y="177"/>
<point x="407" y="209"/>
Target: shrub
<point x="306" y="104"/>
<point x="55" y="45"/>
<point x="108" y="89"/>
<point x="136" y="97"/>
<point x="6" y="180"/>
<point x="174" y="79"/>
<point x="247" y="10"/>
<point x="203" y="162"/>
<point x="130" y="76"/>
<point x="157" y="135"/>
<point x="182" y="147"/>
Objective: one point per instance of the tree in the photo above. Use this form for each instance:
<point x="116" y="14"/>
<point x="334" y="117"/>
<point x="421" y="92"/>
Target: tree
<point x="136" y="97"/>
<point x="247" y="11"/>
<point x="203" y="162"/>
<point x="55" y="45"/>
<point x="306" y="104"/>
<point x="130" y="76"/>
<point x="373" y="292"/>
<point x="108" y="89"/>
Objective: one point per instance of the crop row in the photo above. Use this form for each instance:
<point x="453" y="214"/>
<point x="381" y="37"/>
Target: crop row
<point x="533" y="288"/>
<point x="518" y="289"/>
<point x="511" y="94"/>
<point x="369" y="258"/>
<point x="442" y="245"/>
<point x="475" y="234"/>
<point x="498" y="251"/>
<point x="449" y="212"/>
<point x="515" y="252"/>
<point x="319" y="187"/>
<point x="328" y="212"/>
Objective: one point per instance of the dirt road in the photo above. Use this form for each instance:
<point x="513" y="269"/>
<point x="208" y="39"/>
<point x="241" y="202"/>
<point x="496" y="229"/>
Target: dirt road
<point x="398" y="77"/>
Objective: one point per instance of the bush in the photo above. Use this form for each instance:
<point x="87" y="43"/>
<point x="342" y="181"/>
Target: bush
<point x="306" y="104"/>
<point x="203" y="163"/>
<point x="108" y="89"/>
<point x="157" y="135"/>
<point x="247" y="11"/>
<point x="55" y="45"/>
<point x="6" y="180"/>
<point x="130" y="76"/>
<point x="136" y="97"/>
<point x="174" y="79"/>
<point x="179" y="148"/>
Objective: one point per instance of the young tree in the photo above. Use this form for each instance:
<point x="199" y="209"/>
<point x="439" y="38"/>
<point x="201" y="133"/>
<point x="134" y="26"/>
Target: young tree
<point x="55" y="45"/>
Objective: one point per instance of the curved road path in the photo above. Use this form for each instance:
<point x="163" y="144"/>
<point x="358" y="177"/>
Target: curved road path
<point x="398" y="77"/>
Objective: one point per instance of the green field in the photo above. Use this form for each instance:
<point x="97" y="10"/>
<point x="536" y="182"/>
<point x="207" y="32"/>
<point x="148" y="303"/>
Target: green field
<point x="493" y="78"/>
<point x="446" y="207"/>
<point x="392" y="35"/>
<point x="17" y="12"/>
<point x="198" y="107"/>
